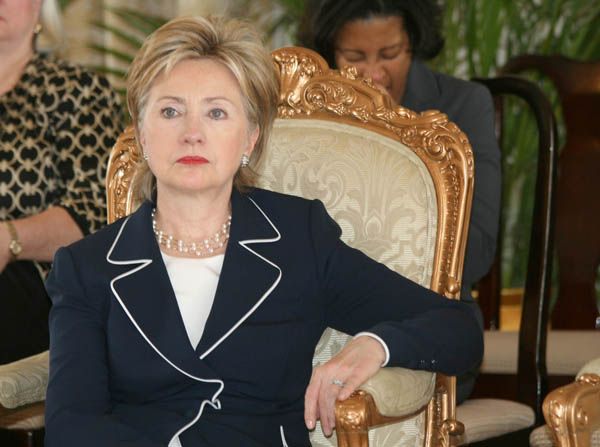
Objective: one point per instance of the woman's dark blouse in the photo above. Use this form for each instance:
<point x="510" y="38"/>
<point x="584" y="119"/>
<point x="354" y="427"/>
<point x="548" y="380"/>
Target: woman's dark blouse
<point x="57" y="126"/>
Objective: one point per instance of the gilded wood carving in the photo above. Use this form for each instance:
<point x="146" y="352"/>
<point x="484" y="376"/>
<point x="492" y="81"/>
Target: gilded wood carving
<point x="573" y="411"/>
<point x="121" y="168"/>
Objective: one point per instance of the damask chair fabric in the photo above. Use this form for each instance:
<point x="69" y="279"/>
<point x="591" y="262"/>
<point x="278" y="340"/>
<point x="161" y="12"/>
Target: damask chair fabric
<point x="399" y="184"/>
<point x="542" y="437"/>
<point x="22" y="394"/>
<point x="383" y="198"/>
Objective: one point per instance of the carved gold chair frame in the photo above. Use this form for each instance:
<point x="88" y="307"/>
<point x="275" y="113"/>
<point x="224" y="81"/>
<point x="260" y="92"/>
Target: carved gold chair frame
<point x="310" y="89"/>
<point x="573" y="411"/>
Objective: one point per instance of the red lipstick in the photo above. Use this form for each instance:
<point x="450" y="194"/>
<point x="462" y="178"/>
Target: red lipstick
<point x="192" y="160"/>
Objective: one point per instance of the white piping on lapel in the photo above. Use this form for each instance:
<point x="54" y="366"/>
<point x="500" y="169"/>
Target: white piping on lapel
<point x="143" y="264"/>
<point x="282" y="433"/>
<point x="267" y="293"/>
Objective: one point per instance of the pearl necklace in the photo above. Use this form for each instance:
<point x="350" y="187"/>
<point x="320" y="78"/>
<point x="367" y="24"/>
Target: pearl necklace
<point x="206" y="247"/>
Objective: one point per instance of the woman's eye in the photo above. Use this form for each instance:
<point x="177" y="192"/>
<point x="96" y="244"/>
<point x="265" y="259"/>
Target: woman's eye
<point x="353" y="57"/>
<point x="217" y="114"/>
<point x="391" y="54"/>
<point x="168" y="112"/>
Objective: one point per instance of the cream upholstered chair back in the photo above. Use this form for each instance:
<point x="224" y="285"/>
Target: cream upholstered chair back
<point x="381" y="195"/>
<point x="398" y="183"/>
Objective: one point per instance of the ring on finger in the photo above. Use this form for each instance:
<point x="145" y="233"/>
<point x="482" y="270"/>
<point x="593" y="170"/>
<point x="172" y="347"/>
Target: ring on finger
<point x="339" y="383"/>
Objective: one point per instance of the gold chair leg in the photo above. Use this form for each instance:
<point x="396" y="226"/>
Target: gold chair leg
<point x="443" y="430"/>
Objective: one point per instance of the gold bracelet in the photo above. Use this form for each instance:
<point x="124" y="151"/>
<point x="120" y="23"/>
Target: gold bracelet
<point x="14" y="245"/>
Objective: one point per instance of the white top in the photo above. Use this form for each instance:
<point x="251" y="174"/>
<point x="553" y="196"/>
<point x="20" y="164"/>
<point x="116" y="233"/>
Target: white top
<point x="194" y="281"/>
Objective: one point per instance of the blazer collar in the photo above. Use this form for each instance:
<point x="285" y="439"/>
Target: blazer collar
<point x="145" y="293"/>
<point x="422" y="89"/>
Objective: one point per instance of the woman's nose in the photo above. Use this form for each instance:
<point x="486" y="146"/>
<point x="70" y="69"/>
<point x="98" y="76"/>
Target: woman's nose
<point x="375" y="72"/>
<point x="193" y="133"/>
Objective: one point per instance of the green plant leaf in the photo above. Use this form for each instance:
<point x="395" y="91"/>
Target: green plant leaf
<point x="143" y="23"/>
<point x="129" y="39"/>
<point x="117" y="54"/>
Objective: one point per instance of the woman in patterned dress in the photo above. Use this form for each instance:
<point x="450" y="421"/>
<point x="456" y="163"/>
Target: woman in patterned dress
<point x="57" y="123"/>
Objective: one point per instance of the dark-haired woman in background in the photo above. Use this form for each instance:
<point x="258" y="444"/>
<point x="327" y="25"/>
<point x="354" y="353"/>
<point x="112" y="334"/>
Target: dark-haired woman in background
<point x="388" y="41"/>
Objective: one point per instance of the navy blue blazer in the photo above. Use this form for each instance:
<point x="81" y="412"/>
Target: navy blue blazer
<point x="470" y="106"/>
<point x="122" y="369"/>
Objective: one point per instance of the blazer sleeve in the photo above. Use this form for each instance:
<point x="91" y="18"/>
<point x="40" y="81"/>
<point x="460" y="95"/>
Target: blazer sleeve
<point x="78" y="405"/>
<point x="422" y="329"/>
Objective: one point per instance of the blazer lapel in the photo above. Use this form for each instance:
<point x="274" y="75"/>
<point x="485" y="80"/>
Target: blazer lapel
<point x="145" y="294"/>
<point x="247" y="277"/>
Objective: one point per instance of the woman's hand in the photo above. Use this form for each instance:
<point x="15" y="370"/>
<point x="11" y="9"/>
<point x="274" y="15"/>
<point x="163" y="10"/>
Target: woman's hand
<point x="337" y="379"/>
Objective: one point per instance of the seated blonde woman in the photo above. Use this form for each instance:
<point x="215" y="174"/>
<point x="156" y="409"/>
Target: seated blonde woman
<point x="193" y="321"/>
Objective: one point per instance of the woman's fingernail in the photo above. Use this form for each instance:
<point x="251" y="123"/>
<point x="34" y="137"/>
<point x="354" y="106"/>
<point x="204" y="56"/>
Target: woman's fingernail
<point x="310" y="424"/>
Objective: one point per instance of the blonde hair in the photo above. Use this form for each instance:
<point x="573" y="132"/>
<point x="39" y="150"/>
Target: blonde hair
<point x="235" y="44"/>
<point x="51" y="36"/>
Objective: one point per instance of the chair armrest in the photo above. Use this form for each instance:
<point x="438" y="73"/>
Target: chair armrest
<point x="573" y="412"/>
<point x="399" y="391"/>
<point x="24" y="381"/>
<point x="392" y="395"/>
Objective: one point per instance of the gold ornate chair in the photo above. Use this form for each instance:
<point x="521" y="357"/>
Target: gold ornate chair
<point x="399" y="184"/>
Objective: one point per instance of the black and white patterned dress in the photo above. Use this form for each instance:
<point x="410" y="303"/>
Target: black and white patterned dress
<point x="57" y="126"/>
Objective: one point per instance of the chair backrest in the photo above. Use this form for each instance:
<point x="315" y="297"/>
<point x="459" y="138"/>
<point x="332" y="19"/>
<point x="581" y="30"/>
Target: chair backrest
<point x="398" y="183"/>
<point x="577" y="208"/>
<point x="124" y="156"/>
<point x="531" y="380"/>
